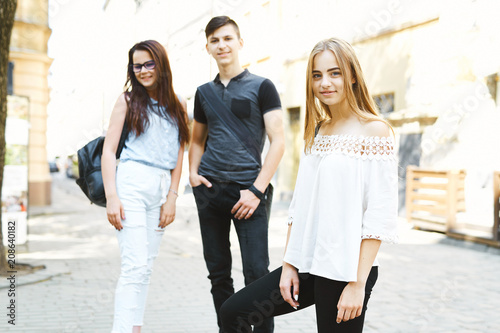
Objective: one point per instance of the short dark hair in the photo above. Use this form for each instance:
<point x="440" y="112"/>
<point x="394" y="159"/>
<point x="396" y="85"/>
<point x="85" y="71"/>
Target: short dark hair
<point x="220" y="21"/>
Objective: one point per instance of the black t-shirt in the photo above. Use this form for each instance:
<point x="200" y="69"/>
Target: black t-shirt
<point x="249" y="97"/>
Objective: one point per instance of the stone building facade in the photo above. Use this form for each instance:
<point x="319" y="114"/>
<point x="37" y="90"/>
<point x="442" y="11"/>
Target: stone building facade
<point x="28" y="53"/>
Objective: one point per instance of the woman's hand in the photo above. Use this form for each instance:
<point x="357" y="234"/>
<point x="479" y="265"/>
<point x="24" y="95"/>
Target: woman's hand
<point x="289" y="282"/>
<point x="350" y="304"/>
<point x="115" y="211"/>
<point x="167" y="213"/>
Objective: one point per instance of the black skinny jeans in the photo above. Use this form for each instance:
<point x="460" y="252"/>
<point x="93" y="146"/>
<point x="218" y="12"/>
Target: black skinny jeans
<point x="214" y="211"/>
<point x="262" y="299"/>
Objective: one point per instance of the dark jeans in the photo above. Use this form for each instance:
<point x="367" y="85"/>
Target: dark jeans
<point x="214" y="212"/>
<point x="262" y="299"/>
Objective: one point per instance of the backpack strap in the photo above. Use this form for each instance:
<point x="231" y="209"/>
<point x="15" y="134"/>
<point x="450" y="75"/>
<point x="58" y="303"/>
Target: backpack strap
<point x="123" y="138"/>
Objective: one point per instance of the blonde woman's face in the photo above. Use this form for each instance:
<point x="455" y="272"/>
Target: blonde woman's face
<point x="327" y="79"/>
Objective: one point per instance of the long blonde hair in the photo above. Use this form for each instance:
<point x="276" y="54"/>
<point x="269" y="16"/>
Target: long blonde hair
<point x="357" y="96"/>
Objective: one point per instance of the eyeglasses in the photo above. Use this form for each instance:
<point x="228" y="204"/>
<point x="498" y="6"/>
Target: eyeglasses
<point x="149" y="65"/>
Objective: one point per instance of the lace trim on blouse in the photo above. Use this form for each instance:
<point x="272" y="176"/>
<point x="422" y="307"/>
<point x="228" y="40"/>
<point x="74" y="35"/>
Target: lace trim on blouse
<point x="364" y="147"/>
<point x="388" y="239"/>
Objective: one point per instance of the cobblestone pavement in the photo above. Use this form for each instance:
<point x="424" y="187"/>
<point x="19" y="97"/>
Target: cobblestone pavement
<point x="427" y="283"/>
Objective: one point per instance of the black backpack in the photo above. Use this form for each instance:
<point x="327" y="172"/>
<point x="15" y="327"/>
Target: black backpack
<point x="89" y="167"/>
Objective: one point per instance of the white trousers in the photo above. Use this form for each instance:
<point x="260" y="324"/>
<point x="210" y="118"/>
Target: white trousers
<point x="142" y="190"/>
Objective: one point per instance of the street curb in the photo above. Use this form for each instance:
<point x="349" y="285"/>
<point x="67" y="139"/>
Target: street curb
<point x="467" y="244"/>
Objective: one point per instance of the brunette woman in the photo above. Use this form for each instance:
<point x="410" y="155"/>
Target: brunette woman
<point x="344" y="205"/>
<point x="142" y="191"/>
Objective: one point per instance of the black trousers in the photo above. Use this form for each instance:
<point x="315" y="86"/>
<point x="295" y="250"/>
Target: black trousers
<point x="214" y="211"/>
<point x="262" y="299"/>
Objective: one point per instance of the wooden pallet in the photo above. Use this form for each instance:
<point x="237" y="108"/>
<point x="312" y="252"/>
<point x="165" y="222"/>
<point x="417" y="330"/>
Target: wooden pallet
<point x="435" y="197"/>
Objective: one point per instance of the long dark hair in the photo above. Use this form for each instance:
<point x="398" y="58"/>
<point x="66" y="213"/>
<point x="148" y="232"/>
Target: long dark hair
<point x="138" y="98"/>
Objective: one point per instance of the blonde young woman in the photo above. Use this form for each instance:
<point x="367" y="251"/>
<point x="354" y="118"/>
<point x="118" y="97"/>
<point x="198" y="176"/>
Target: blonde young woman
<point x="344" y="205"/>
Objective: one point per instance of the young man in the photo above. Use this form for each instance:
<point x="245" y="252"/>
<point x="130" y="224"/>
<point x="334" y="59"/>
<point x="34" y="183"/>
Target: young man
<point x="229" y="182"/>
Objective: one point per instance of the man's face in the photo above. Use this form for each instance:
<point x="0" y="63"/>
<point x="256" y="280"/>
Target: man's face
<point x="224" y="45"/>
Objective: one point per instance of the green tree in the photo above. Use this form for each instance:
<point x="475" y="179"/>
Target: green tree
<point x="7" y="12"/>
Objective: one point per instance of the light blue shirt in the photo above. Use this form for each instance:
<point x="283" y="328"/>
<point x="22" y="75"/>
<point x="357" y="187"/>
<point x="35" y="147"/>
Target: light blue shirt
<point x="158" y="146"/>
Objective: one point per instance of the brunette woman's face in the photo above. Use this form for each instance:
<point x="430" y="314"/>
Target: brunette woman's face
<point x="146" y="77"/>
<point x="327" y="79"/>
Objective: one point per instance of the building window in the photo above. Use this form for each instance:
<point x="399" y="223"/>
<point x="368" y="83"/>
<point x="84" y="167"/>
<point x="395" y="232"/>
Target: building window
<point x="492" y="83"/>
<point x="385" y="103"/>
<point x="294" y="115"/>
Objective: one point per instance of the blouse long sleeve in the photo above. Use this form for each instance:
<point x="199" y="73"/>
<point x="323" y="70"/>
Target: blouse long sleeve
<point x="380" y="202"/>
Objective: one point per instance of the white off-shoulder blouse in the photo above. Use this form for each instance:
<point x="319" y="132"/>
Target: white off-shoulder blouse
<point x="346" y="191"/>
